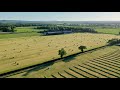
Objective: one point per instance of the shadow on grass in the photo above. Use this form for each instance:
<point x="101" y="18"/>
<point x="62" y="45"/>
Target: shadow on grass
<point x="70" y="58"/>
<point x="37" y="68"/>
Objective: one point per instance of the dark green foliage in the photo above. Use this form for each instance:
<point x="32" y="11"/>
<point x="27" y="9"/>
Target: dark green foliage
<point x="12" y="28"/>
<point x="7" y="28"/>
<point x="113" y="41"/>
<point x="61" y="28"/>
<point x="82" y="48"/>
<point x="62" y="52"/>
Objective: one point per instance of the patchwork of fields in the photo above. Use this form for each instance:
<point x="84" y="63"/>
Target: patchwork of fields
<point x="21" y="32"/>
<point x="27" y="51"/>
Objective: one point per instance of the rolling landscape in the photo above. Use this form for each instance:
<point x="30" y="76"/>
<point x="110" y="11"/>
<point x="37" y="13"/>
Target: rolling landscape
<point x="59" y="49"/>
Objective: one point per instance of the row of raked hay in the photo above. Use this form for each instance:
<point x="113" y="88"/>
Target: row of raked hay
<point x="106" y="66"/>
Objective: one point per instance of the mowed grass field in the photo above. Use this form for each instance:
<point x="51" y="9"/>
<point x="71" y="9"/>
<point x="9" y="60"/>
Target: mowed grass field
<point x="27" y="29"/>
<point x="108" y="30"/>
<point x="21" y="32"/>
<point x="28" y="51"/>
<point x="103" y="63"/>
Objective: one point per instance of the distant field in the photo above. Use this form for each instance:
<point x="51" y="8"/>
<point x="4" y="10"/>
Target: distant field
<point x="21" y="32"/>
<point x="26" y="29"/>
<point x="37" y="49"/>
<point x="16" y="35"/>
<point x="101" y="30"/>
<point x="108" y="31"/>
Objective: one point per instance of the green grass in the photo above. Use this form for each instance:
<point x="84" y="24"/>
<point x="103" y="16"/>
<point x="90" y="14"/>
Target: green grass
<point x="21" y="32"/>
<point x="16" y="35"/>
<point x="26" y="29"/>
<point x="108" y="31"/>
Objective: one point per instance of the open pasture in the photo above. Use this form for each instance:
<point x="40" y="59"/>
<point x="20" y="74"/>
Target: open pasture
<point x="108" y="30"/>
<point x="20" y="32"/>
<point x="26" y="51"/>
<point x="27" y="29"/>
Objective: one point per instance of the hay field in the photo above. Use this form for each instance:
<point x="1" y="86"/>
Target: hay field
<point x="28" y="51"/>
<point x="103" y="63"/>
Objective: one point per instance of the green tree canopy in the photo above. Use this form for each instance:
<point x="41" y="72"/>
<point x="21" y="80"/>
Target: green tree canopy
<point x="113" y="41"/>
<point x="82" y="48"/>
<point x="62" y="52"/>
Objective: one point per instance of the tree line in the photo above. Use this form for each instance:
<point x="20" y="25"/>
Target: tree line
<point x="60" y="28"/>
<point x="7" y="28"/>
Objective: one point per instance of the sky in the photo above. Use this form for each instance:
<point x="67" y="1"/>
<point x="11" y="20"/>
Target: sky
<point x="61" y="16"/>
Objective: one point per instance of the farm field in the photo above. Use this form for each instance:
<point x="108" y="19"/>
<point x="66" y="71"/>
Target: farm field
<point x="29" y="29"/>
<point x="21" y="32"/>
<point x="103" y="63"/>
<point x="27" y="51"/>
<point x="59" y="45"/>
<point x="108" y="30"/>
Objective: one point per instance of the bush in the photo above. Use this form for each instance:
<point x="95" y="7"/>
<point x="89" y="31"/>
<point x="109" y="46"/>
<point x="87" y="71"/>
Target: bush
<point x="113" y="41"/>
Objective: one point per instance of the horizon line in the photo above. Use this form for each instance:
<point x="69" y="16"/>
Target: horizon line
<point x="52" y="20"/>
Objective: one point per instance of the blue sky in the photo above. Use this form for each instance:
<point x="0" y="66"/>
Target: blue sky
<point x="61" y="16"/>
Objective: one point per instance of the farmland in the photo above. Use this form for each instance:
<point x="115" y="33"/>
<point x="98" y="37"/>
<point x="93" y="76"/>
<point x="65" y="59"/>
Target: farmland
<point x="108" y="30"/>
<point x="103" y="63"/>
<point x="27" y="51"/>
<point x="60" y="45"/>
<point x="20" y="32"/>
<point x="26" y="47"/>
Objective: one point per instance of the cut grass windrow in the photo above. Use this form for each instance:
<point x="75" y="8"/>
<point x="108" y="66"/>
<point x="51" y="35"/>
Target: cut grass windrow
<point x="105" y="71"/>
<point x="62" y="75"/>
<point x="118" y="69"/>
<point x="99" y="74"/>
<point x="53" y="76"/>
<point x="109" y="61"/>
<point x="102" y="71"/>
<point x="74" y="74"/>
<point x="86" y="71"/>
<point x="110" y="55"/>
<point x="106" y="63"/>
<point x="78" y="72"/>
<point x="70" y="74"/>
<point x="81" y="75"/>
<point x="116" y="74"/>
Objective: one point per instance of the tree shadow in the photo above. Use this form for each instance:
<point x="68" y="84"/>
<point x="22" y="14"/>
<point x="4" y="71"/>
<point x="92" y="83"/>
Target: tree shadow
<point x="69" y="58"/>
<point x="37" y="68"/>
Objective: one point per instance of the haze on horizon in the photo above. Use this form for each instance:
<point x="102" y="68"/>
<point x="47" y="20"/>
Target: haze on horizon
<point x="61" y="16"/>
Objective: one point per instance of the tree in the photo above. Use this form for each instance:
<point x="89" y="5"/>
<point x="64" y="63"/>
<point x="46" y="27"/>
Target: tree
<point x="12" y="28"/>
<point x="62" y="52"/>
<point x="82" y="48"/>
<point x="113" y="41"/>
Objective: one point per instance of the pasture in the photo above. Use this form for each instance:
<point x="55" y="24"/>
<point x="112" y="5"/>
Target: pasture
<point x="21" y="32"/>
<point x="108" y="30"/>
<point x="29" y="29"/>
<point x="27" y="51"/>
